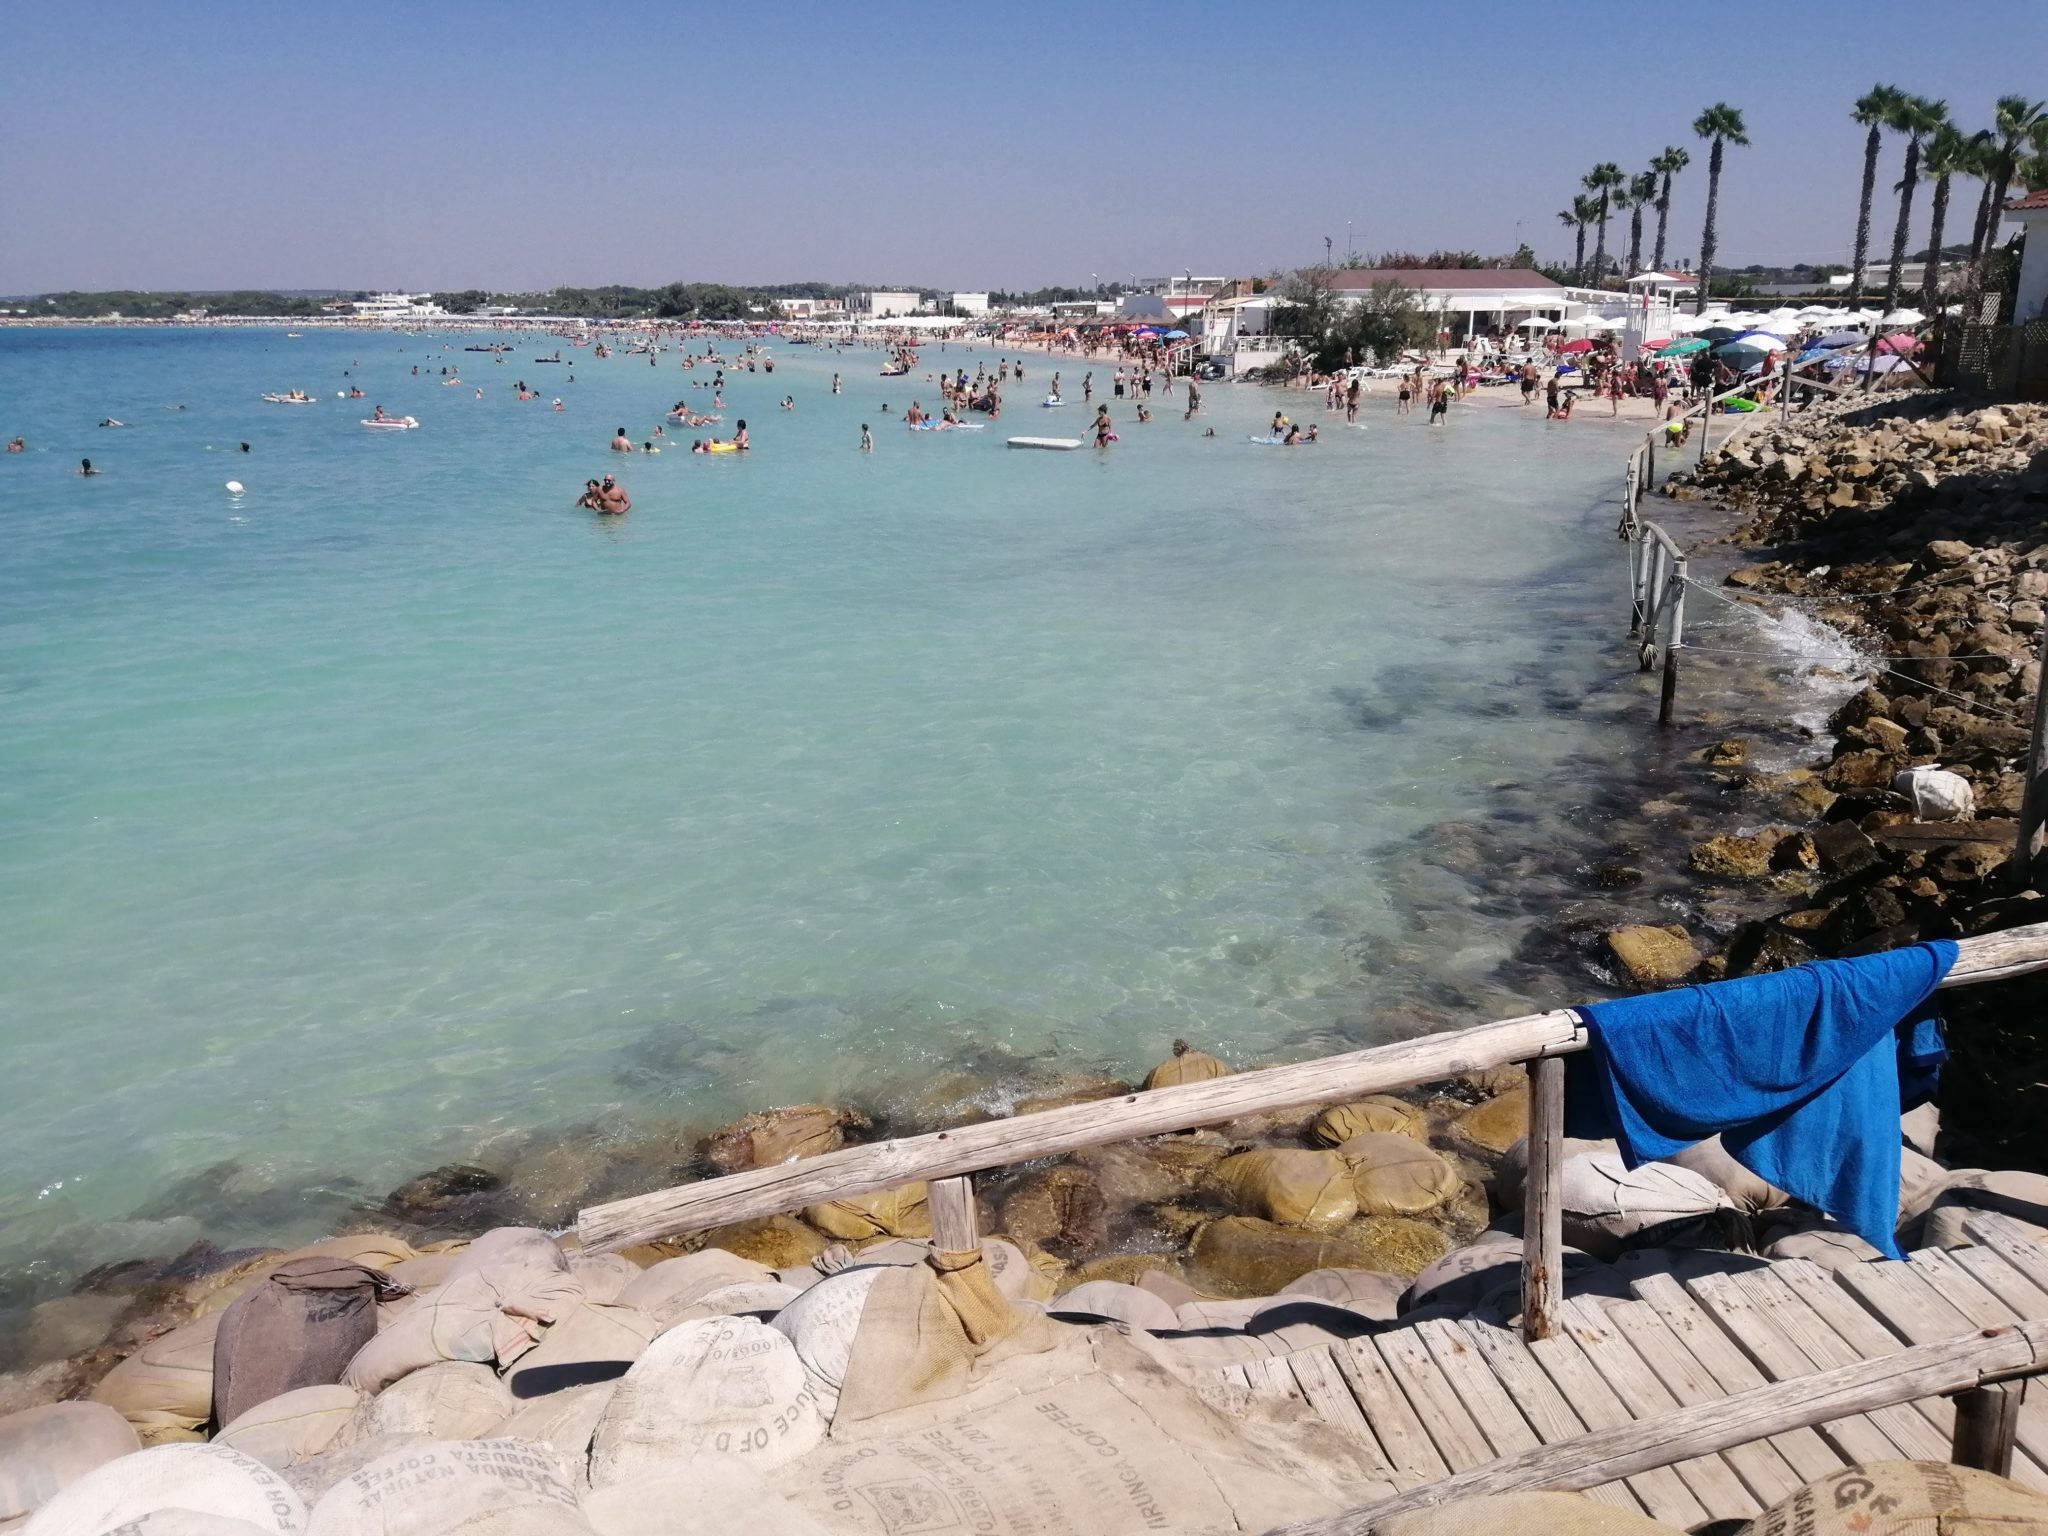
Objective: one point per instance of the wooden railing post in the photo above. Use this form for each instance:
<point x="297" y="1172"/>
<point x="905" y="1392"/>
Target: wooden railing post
<point x="1543" y="1201"/>
<point x="951" y="1202"/>
<point x="1987" y="1419"/>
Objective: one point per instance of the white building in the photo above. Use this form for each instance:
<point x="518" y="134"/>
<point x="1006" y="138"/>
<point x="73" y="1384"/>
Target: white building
<point x="2030" y="296"/>
<point x="396" y="306"/>
<point x="970" y="303"/>
<point x="879" y="304"/>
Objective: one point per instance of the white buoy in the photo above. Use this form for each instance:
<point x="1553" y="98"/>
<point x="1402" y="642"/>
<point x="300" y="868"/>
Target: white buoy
<point x="234" y="487"/>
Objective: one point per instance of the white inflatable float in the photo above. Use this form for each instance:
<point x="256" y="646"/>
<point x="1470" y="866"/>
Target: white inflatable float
<point x="1061" y="443"/>
<point x="395" y="423"/>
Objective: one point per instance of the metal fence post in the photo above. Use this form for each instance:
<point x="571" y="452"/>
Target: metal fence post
<point x="1674" y="641"/>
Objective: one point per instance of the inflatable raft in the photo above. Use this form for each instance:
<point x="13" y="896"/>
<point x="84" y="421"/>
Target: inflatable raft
<point x="391" y="423"/>
<point x="1062" y="443"/>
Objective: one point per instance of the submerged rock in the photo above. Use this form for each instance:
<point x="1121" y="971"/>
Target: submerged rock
<point x="774" y="1242"/>
<point x="778" y="1136"/>
<point x="1653" y="957"/>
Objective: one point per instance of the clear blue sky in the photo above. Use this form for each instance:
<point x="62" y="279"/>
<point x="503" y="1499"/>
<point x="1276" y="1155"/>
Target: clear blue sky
<point x="517" y="145"/>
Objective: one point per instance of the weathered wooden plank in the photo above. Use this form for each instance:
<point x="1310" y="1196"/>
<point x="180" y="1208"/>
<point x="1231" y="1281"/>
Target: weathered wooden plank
<point x="1449" y="1422"/>
<point x="1272" y="1382"/>
<point x="1922" y="1428"/>
<point x="1984" y="1307"/>
<point x="2011" y="1242"/>
<point x="1992" y="1272"/>
<point x="1952" y="1365"/>
<point x="1804" y="1451"/>
<point x="1316" y="1373"/>
<point x="1507" y="1432"/>
<point x="1780" y="1356"/>
<point x="1764" y="1472"/>
<point x="1908" y="1303"/>
<point x="1713" y="1482"/>
<point x="1664" y="1494"/>
<point x="1394" y="1424"/>
<point x="1542" y="1405"/>
<point x="1021" y="1138"/>
<point x="1543" y="1201"/>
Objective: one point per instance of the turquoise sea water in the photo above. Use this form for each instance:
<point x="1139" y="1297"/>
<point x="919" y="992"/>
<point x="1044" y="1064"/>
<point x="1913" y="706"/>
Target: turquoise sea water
<point x="350" y="822"/>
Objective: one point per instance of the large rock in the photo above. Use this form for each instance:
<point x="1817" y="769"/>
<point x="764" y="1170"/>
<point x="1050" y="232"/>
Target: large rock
<point x="1736" y="857"/>
<point x="1497" y="1124"/>
<point x="773" y="1242"/>
<point x="1243" y="1256"/>
<point x="1653" y="957"/>
<point x="778" y="1136"/>
<point x="1061" y="1209"/>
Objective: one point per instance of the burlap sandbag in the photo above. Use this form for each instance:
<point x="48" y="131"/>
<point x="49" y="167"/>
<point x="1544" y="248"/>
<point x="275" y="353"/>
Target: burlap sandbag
<point x="1906" y="1498"/>
<point x="165" y="1387"/>
<point x="43" y="1450"/>
<point x="444" y="1486"/>
<point x="373" y="1250"/>
<point x="1290" y="1185"/>
<point x="299" y="1328"/>
<point x="293" y="1426"/>
<point x="725" y="1384"/>
<point x="1379" y="1113"/>
<point x="931" y="1331"/>
<point x="207" y="1479"/>
<point x="707" y="1494"/>
<point x="1609" y="1206"/>
<point x="1185" y="1065"/>
<point x="453" y="1400"/>
<point x="1522" y="1514"/>
<point x="564" y="1420"/>
<point x="900" y="1212"/>
<point x="1396" y="1175"/>
<point x="1713" y="1161"/>
<point x="1090" y="1437"/>
<point x="603" y="1277"/>
<point x="1367" y="1292"/>
<point x="750" y="1298"/>
<point x="1110" y="1301"/>
<point x="590" y="1344"/>
<point x="663" y="1290"/>
<point x="493" y="1307"/>
<point x="185" y="1522"/>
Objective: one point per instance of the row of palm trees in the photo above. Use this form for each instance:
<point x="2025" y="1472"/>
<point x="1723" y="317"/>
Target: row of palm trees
<point x="2013" y="149"/>
<point x="1608" y="187"/>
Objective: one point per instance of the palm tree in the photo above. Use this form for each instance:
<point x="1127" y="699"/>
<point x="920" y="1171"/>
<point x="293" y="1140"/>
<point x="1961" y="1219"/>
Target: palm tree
<point x="1602" y="181"/>
<point x="1666" y="165"/>
<point x="1875" y="110"/>
<point x="2017" y="122"/>
<point x="1949" y="151"/>
<point x="1722" y="125"/>
<point x="1578" y="216"/>
<point x="1640" y="192"/>
<point x="1916" y="118"/>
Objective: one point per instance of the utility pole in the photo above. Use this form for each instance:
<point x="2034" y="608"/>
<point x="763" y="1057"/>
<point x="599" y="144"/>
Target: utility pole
<point x="1329" y="258"/>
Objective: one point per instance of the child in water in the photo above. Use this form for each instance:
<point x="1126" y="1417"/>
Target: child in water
<point x="867" y="439"/>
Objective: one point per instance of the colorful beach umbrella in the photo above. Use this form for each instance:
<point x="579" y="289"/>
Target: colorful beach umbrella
<point x="1840" y="339"/>
<point x="1684" y="346"/>
<point x="1718" y="333"/>
<point x="1581" y="345"/>
<point x="1900" y="341"/>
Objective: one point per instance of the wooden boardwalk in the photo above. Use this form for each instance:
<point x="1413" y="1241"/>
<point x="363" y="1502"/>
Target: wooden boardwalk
<point x="1437" y="1397"/>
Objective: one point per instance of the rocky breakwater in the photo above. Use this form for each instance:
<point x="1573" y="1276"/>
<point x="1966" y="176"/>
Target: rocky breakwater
<point x="1920" y="530"/>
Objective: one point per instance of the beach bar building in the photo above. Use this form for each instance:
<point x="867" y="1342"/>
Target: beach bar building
<point x="1471" y="299"/>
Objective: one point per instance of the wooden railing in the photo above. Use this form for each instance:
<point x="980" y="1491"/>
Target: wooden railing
<point x="949" y="1159"/>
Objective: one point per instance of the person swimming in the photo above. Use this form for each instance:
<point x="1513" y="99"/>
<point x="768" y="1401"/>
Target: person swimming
<point x="85" y="467"/>
<point x="591" y="499"/>
<point x="20" y="445"/>
<point x="739" y="437"/>
<point x="620" y="442"/>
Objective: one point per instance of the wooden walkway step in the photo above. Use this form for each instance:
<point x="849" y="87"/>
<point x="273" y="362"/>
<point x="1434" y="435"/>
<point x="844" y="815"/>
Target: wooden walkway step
<point x="1424" y="1401"/>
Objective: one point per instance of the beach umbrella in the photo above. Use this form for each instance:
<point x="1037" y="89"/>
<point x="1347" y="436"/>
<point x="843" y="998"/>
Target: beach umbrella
<point x="1840" y="339"/>
<point x="1717" y="333"/>
<point x="1901" y="341"/>
<point x="1768" y="340"/>
<point x="1581" y="345"/>
<point x="1175" y="335"/>
<point x="1536" y="323"/>
<point x="1885" y="364"/>
<point x="1740" y="354"/>
<point x="1684" y="347"/>
<point x="1903" y="317"/>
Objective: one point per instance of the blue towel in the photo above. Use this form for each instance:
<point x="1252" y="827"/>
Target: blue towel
<point x="1802" y="1073"/>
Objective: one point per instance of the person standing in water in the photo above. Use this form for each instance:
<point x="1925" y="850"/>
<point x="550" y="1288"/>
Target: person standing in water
<point x="1105" y="434"/>
<point x="621" y="443"/>
<point x="1194" y="400"/>
<point x="835" y="383"/>
<point x="85" y="467"/>
<point x="867" y="439"/>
